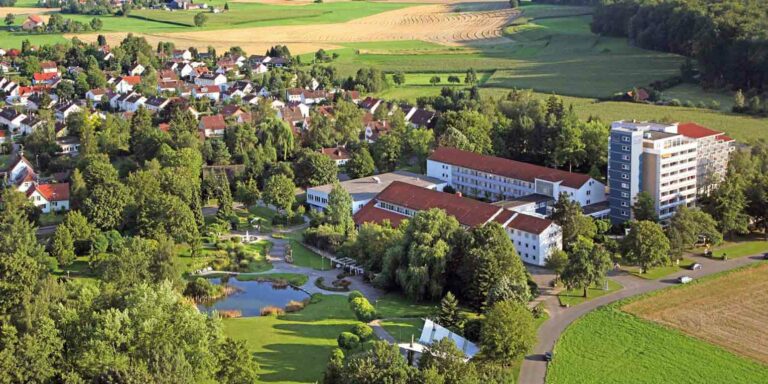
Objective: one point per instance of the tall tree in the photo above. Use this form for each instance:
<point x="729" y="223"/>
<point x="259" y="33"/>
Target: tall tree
<point x="508" y="332"/>
<point x="587" y="265"/>
<point x="448" y="315"/>
<point x="339" y="210"/>
<point x="387" y="151"/>
<point x="314" y="168"/>
<point x="646" y="245"/>
<point x="360" y="164"/>
<point x="568" y="215"/>
<point x="644" y="208"/>
<point x="279" y="191"/>
<point x="382" y="363"/>
<point x="729" y="205"/>
<point x="686" y="226"/>
<point x="62" y="246"/>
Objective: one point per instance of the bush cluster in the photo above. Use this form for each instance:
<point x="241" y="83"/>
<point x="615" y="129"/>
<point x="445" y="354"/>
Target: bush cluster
<point x="363" y="309"/>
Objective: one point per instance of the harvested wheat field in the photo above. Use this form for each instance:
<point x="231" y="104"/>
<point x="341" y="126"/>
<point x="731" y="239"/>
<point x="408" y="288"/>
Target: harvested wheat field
<point x="18" y="11"/>
<point x="437" y="23"/>
<point x="305" y="2"/>
<point x="730" y="311"/>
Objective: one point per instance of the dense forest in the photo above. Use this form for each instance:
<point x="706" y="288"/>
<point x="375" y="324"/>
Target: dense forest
<point x="728" y="38"/>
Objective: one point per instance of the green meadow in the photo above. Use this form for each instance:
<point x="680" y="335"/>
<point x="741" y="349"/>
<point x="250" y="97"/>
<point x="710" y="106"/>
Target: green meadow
<point x="611" y="346"/>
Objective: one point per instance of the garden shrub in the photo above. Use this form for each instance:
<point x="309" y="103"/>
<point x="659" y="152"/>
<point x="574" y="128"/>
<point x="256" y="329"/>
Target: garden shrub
<point x="363" y="331"/>
<point x="316" y="298"/>
<point x="200" y="288"/>
<point x="271" y="310"/>
<point x="348" y="340"/>
<point x="363" y="309"/>
<point x="354" y="294"/>
<point x="294" y="306"/>
<point x="472" y="329"/>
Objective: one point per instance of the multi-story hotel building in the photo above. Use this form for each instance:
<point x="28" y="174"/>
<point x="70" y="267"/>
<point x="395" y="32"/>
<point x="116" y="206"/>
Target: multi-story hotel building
<point x="713" y="149"/>
<point x="534" y="237"/>
<point x="496" y="178"/>
<point x="664" y="160"/>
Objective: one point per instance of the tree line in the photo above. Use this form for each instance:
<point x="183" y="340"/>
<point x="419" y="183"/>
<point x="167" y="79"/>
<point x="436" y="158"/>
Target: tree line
<point x="728" y="38"/>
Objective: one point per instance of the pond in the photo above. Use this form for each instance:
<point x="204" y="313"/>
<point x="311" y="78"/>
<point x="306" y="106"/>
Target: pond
<point x="250" y="296"/>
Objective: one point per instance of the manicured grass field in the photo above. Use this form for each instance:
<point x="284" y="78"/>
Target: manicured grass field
<point x="395" y="305"/>
<point x="573" y="297"/>
<point x="296" y="279"/>
<point x="734" y="250"/>
<point x="659" y="272"/>
<point x="304" y="257"/>
<point x="727" y="309"/>
<point x="403" y="329"/>
<point x="695" y="94"/>
<point x="294" y="348"/>
<point x="611" y="346"/>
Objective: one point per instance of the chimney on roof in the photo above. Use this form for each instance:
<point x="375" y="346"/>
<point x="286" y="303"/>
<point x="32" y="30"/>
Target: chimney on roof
<point x="459" y="194"/>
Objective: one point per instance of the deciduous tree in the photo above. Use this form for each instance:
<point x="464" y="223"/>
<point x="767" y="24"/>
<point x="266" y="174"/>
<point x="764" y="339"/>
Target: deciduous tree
<point x="508" y="332"/>
<point x="646" y="245"/>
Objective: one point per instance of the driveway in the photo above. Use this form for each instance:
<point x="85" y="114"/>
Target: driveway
<point x="534" y="367"/>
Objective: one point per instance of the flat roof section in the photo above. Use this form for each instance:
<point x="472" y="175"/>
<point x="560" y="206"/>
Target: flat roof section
<point x="368" y="187"/>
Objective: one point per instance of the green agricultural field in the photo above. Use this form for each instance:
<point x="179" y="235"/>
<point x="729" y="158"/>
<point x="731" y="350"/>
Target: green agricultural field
<point x="551" y="54"/>
<point x="611" y="346"/>
<point x="294" y="348"/>
<point x="573" y="297"/>
<point x="423" y="79"/>
<point x="696" y="95"/>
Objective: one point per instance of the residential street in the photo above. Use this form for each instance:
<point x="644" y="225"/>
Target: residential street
<point x="534" y="367"/>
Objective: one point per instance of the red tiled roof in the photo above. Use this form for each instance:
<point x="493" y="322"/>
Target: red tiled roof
<point x="724" y="138"/>
<point x="48" y="65"/>
<point x="165" y="127"/>
<point x="214" y="122"/>
<point x="339" y="153"/>
<point x="35" y="18"/>
<point x="530" y="224"/>
<point x="44" y="76"/>
<point x="51" y="192"/>
<point x="370" y="214"/>
<point x="467" y="211"/>
<point x="507" y="168"/>
<point x="695" y="131"/>
<point x="208" y="89"/>
<point x="132" y="80"/>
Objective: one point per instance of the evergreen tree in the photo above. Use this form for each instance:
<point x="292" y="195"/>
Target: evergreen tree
<point x="448" y="315"/>
<point x="62" y="246"/>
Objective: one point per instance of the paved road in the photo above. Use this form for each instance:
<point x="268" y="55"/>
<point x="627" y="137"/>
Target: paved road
<point x="534" y="368"/>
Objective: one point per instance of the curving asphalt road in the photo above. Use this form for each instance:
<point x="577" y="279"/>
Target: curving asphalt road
<point x="534" y="367"/>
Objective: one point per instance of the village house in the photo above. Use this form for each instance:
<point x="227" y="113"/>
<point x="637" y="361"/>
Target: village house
<point x="30" y="124"/>
<point x="64" y="110"/>
<point x="370" y="104"/>
<point x="125" y="84"/>
<point x="11" y="118"/>
<point x="339" y="155"/>
<point x="68" y="145"/>
<point x="50" y="197"/>
<point x="136" y="70"/>
<point x="49" y="67"/>
<point x="36" y="101"/>
<point x="96" y="95"/>
<point x="208" y="79"/>
<point x="156" y="104"/>
<point x="212" y="126"/>
<point x="33" y="22"/>
<point x="50" y="78"/>
<point x="212" y="92"/>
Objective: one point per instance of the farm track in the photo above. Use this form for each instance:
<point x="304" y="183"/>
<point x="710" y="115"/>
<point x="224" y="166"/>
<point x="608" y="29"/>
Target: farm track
<point x="435" y="23"/>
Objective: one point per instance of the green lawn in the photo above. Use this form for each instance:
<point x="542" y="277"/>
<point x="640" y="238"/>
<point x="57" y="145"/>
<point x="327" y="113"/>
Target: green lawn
<point x="576" y="296"/>
<point x="296" y="279"/>
<point x="734" y="250"/>
<point x="304" y="257"/>
<point x="659" y="272"/>
<point x="403" y="329"/>
<point x="395" y="305"/>
<point x="265" y="214"/>
<point x="695" y="94"/>
<point x="610" y="346"/>
<point x="294" y="348"/>
<point x="423" y="79"/>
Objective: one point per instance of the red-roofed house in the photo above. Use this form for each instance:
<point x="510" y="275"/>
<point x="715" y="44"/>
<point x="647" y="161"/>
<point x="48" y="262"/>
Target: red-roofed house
<point x="49" y="67"/>
<point x="534" y="237"/>
<point x="339" y="155"/>
<point x="50" y="197"/>
<point x="45" y="77"/>
<point x="712" y="154"/>
<point x="32" y="22"/>
<point x="496" y="178"/>
<point x="125" y="84"/>
<point x="212" y="126"/>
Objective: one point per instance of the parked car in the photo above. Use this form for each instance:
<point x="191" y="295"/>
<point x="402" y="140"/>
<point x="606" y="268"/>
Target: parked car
<point x="548" y="356"/>
<point x="695" y="267"/>
<point x="684" y="279"/>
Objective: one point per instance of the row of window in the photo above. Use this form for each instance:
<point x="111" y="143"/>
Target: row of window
<point x="396" y="208"/>
<point x="317" y="199"/>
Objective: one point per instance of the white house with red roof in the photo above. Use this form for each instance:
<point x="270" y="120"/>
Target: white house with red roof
<point x="212" y="126"/>
<point x="49" y="67"/>
<point x="534" y="237"/>
<point x="713" y="150"/>
<point x="50" y="197"/>
<point x="497" y="179"/>
<point x="21" y="174"/>
<point x="33" y="22"/>
<point x="125" y="84"/>
<point x="212" y="92"/>
<point x="45" y="78"/>
<point x="339" y="155"/>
